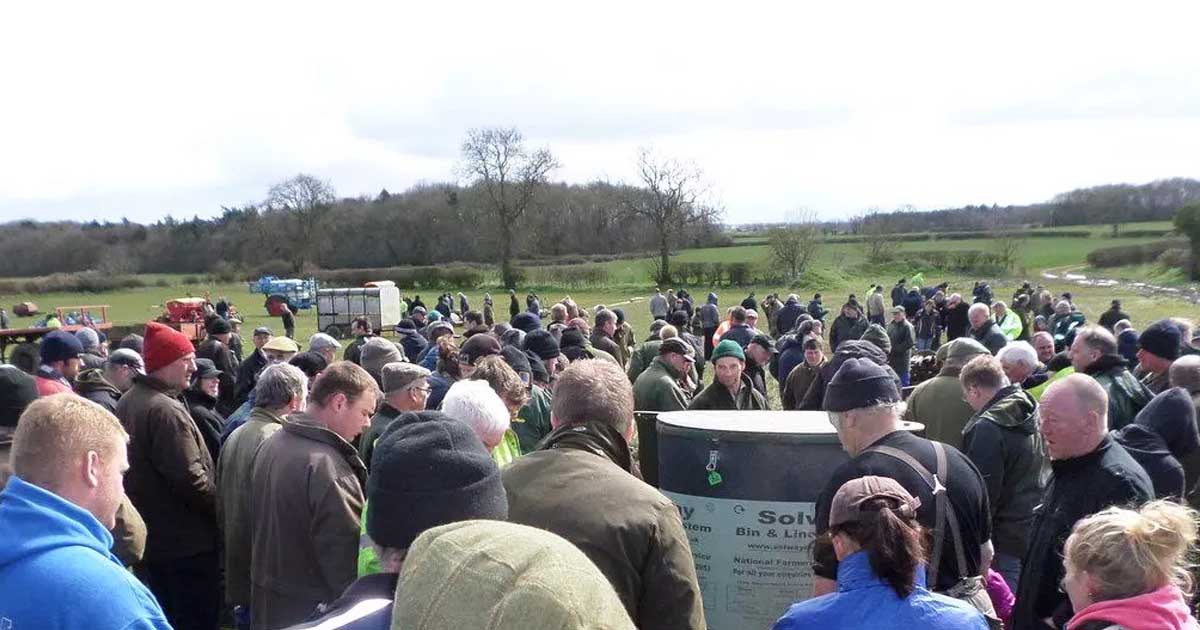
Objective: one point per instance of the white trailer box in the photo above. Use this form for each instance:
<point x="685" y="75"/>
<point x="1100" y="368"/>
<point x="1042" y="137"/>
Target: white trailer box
<point x="379" y="302"/>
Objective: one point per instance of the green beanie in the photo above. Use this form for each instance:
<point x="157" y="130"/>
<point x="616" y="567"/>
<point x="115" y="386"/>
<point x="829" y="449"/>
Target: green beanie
<point x="728" y="348"/>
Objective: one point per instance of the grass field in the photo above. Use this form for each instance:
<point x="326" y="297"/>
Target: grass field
<point x="837" y="258"/>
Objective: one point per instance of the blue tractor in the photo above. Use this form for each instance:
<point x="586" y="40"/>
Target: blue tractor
<point x="290" y="292"/>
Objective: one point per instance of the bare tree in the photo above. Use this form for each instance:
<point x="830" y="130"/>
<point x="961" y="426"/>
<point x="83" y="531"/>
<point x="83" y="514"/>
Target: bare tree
<point x="795" y="245"/>
<point x="876" y="230"/>
<point x="497" y="160"/>
<point x="671" y="199"/>
<point x="307" y="202"/>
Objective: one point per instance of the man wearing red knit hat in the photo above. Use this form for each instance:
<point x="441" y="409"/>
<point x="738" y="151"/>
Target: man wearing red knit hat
<point x="170" y="481"/>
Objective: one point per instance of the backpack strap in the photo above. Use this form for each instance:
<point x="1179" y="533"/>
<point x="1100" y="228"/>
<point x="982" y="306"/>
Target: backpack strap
<point x="944" y="514"/>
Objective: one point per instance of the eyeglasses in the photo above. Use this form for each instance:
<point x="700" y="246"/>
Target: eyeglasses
<point x="423" y="389"/>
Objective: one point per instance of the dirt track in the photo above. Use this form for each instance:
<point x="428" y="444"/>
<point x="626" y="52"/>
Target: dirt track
<point x="1190" y="294"/>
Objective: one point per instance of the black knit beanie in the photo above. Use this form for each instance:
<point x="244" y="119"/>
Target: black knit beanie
<point x="860" y="383"/>
<point x="543" y="344"/>
<point x="430" y="473"/>
<point x="1162" y="339"/>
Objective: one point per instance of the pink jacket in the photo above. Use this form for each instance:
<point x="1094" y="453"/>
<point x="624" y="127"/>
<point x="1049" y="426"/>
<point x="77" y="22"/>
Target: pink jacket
<point x="1163" y="609"/>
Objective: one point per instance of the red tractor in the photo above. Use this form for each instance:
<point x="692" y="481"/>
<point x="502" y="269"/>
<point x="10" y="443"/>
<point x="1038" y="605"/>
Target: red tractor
<point x="187" y="316"/>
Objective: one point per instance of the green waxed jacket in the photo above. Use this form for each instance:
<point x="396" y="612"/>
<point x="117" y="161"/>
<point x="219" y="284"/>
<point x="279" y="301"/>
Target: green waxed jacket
<point x="533" y="421"/>
<point x="938" y="404"/>
<point x="1126" y="395"/>
<point x="657" y="389"/>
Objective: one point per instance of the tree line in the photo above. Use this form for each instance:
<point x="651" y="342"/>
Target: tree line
<point x="505" y="210"/>
<point x="1112" y="204"/>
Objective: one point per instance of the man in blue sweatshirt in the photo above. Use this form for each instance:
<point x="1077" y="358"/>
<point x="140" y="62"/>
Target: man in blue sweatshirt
<point x="68" y="460"/>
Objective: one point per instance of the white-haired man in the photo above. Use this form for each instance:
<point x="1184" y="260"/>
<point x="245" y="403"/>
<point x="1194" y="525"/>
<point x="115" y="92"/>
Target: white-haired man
<point x="984" y="328"/>
<point x="1020" y="363"/>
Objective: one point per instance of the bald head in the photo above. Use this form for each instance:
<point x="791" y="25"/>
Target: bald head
<point x="1074" y="414"/>
<point x="1185" y="373"/>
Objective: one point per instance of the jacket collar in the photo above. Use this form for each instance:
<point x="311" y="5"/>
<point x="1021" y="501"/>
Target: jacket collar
<point x="1000" y="394"/>
<point x="670" y="369"/>
<point x="854" y="573"/>
<point x="596" y="438"/>
<point x="952" y="371"/>
<point x="1105" y="363"/>
<point x="45" y="371"/>
<point x="1075" y="464"/>
<point x="263" y="414"/>
<point x="156" y="384"/>
<point x="388" y="411"/>
<point x="195" y="396"/>
<point x="303" y="425"/>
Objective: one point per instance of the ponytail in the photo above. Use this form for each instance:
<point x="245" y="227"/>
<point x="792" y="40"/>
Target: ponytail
<point x="892" y="539"/>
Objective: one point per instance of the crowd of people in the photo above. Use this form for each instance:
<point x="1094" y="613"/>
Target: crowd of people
<point x="468" y="471"/>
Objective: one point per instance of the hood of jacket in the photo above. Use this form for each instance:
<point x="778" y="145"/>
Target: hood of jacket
<point x="1166" y="424"/>
<point x="877" y="335"/>
<point x="93" y="381"/>
<point x="37" y="521"/>
<point x="1163" y="609"/>
<point x="790" y="341"/>
<point x="597" y="438"/>
<point x="1105" y="363"/>
<point x="1012" y="408"/>
<point x="712" y="299"/>
<point x="855" y="349"/>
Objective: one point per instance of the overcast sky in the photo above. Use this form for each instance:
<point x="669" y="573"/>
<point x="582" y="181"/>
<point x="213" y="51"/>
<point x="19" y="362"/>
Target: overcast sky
<point x="158" y="108"/>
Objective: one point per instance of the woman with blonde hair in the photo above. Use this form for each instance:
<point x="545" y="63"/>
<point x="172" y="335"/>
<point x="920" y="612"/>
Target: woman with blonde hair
<point x="1127" y="569"/>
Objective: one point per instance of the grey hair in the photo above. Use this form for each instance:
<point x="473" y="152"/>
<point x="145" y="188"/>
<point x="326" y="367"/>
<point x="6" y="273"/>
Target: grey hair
<point x="1097" y="338"/>
<point x="280" y="384"/>
<point x="1122" y="326"/>
<point x="979" y="307"/>
<point x="894" y="409"/>
<point x="1019" y="352"/>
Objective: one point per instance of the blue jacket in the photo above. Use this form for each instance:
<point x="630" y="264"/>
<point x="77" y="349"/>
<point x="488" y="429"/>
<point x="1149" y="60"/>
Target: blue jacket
<point x="791" y="354"/>
<point x="58" y="572"/>
<point x="865" y="601"/>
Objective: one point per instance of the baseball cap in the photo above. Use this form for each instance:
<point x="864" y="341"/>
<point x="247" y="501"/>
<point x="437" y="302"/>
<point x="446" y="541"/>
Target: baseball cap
<point x="679" y="346"/>
<point x="128" y="358"/>
<point x="848" y="502"/>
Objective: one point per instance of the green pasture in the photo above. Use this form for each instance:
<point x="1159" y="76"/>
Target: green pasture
<point x="1097" y="231"/>
<point x="1036" y="254"/>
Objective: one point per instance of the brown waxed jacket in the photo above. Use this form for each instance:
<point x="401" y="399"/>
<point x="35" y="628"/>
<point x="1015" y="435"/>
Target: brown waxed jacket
<point x="307" y="492"/>
<point x="170" y="478"/>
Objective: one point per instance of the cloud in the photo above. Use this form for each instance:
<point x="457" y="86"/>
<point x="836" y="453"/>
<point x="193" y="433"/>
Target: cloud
<point x="145" y="109"/>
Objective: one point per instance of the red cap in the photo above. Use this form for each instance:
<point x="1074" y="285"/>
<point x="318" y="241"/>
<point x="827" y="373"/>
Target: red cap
<point x="163" y="346"/>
